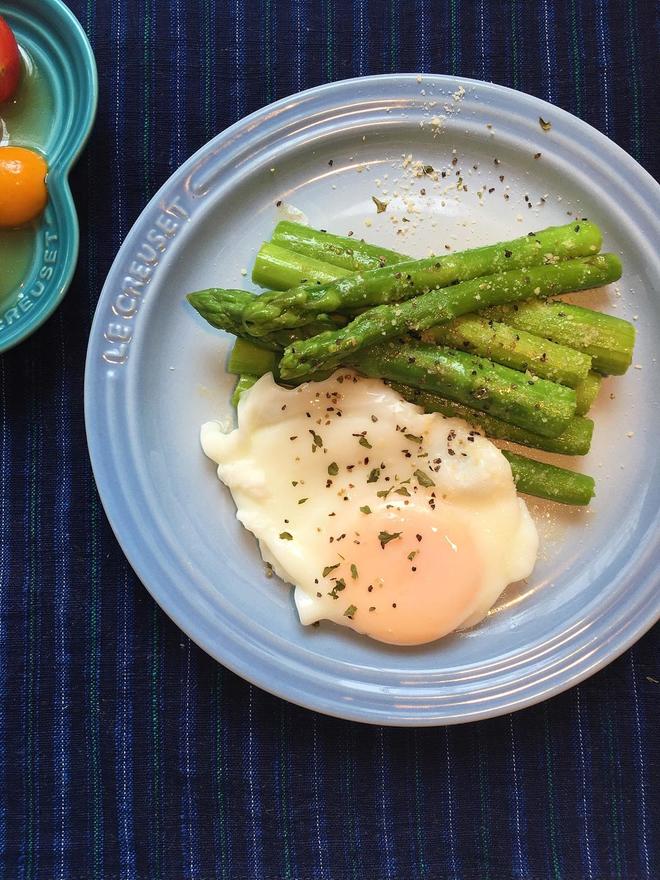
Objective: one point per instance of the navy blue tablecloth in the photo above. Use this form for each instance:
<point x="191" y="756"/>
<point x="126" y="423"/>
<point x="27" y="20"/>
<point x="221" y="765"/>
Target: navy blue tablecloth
<point x="126" y="752"/>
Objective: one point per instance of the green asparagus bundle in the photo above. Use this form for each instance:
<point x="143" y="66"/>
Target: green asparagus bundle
<point x="390" y="284"/>
<point x="383" y="322"/>
<point x="433" y="298"/>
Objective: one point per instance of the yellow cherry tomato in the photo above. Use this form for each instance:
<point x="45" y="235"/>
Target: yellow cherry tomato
<point x="23" y="193"/>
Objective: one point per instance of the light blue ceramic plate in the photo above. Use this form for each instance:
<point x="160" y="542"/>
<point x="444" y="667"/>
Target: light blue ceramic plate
<point x="155" y="373"/>
<point x="56" y="43"/>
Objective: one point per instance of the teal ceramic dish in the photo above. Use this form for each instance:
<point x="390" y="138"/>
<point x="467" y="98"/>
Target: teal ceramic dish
<point x="52" y="39"/>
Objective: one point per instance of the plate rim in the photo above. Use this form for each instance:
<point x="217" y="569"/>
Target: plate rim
<point x="624" y="635"/>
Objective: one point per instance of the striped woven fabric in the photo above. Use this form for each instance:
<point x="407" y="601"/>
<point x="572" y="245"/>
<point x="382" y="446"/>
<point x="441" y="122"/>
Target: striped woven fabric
<point x="125" y="752"/>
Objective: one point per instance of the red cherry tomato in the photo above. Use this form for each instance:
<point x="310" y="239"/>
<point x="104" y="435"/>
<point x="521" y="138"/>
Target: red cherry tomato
<point x="10" y="62"/>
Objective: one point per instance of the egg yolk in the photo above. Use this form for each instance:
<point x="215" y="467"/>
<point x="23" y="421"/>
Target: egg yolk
<point x="23" y="193"/>
<point x="412" y="577"/>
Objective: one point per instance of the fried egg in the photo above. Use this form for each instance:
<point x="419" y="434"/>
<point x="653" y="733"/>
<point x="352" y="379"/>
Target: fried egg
<point x="401" y="525"/>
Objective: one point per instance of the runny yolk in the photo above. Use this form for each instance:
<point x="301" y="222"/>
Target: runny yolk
<point x="412" y="588"/>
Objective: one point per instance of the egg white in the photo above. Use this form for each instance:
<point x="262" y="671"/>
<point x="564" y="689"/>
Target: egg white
<point x="304" y="465"/>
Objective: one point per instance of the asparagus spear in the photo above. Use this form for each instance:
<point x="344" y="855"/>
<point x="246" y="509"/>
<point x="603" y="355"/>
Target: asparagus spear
<point x="224" y="309"/>
<point x="383" y="322"/>
<point x="295" y="307"/>
<point x="575" y="439"/>
<point x="534" y="404"/>
<point x="608" y="340"/>
<point x="586" y="392"/>
<point x="513" y="348"/>
<point x="548" y="481"/>
<point x="339" y="250"/>
<point x="247" y="357"/>
<point x="357" y="254"/>
<point x="242" y="384"/>
<point x="280" y="269"/>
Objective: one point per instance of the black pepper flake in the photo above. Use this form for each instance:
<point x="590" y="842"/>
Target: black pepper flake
<point x="537" y="155"/>
<point x="331" y="162"/>
<point x="278" y="203"/>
